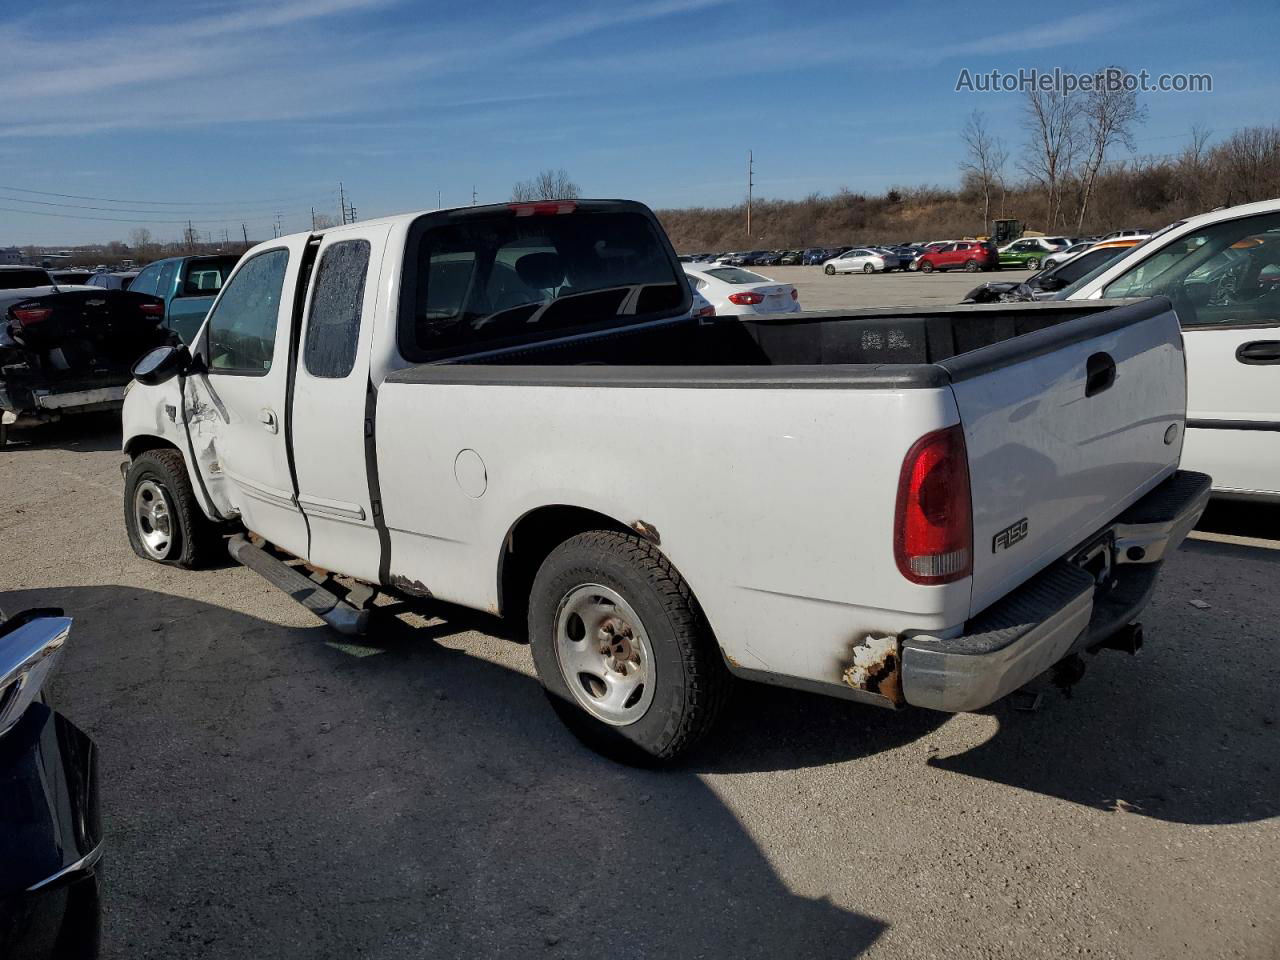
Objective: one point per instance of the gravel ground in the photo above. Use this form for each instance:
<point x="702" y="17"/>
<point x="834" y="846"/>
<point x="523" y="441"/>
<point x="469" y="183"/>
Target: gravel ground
<point x="271" y="791"/>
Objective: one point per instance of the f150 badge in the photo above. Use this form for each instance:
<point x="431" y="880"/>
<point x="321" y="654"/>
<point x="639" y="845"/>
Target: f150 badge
<point x="1010" y="535"/>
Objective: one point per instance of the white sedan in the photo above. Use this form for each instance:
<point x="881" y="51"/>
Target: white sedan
<point x="734" y="291"/>
<point x="1062" y="256"/>
<point x="1222" y="272"/>
<point x="861" y="260"/>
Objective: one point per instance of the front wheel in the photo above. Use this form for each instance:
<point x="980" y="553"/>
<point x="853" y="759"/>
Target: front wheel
<point x="829" y="270"/>
<point x="161" y="515"/>
<point x="926" y="267"/>
<point x="622" y="648"/>
<point x="868" y="268"/>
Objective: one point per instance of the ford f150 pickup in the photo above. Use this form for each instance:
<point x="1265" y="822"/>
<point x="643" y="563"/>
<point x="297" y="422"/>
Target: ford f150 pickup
<point x="510" y="408"/>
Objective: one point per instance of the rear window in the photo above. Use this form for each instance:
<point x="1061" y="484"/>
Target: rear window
<point x="735" y="275"/>
<point x="491" y="278"/>
<point x="17" y="279"/>
<point x="205" y="276"/>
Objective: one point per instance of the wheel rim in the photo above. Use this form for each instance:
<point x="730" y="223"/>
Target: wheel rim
<point x="153" y="519"/>
<point x="830" y="270"/>
<point x="604" y="654"/>
<point x="1033" y="263"/>
<point x="868" y="268"/>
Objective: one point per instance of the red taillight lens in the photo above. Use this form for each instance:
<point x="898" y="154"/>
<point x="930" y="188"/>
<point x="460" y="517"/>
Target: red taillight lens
<point x="26" y="316"/>
<point x="152" y="309"/>
<point x="746" y="299"/>
<point x="794" y="294"/>
<point x="933" y="526"/>
<point x="543" y="208"/>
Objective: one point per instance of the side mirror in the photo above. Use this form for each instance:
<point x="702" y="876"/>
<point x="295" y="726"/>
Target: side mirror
<point x="162" y="364"/>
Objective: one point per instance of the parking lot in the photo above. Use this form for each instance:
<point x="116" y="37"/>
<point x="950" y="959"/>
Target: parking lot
<point x="273" y="790"/>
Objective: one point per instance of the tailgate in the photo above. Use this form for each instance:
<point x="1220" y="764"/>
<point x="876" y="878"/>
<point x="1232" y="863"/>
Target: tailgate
<point x="1065" y="427"/>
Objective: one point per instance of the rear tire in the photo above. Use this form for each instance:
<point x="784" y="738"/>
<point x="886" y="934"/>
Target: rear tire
<point x="829" y="270"/>
<point x="971" y="266"/>
<point x="163" y="519"/>
<point x="1033" y="263"/>
<point x="623" y="650"/>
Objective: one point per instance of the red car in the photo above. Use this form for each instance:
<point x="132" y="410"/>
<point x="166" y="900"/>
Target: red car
<point x="968" y="255"/>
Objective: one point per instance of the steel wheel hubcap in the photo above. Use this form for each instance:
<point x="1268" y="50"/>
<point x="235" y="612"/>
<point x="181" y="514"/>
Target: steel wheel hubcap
<point x="152" y="518"/>
<point x="604" y="654"/>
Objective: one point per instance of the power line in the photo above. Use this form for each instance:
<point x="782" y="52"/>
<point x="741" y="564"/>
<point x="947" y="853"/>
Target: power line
<point x="161" y="203"/>
<point x="72" y="216"/>
<point x="80" y="206"/>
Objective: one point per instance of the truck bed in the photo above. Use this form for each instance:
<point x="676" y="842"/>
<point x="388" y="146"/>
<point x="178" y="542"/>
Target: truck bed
<point x="874" y="348"/>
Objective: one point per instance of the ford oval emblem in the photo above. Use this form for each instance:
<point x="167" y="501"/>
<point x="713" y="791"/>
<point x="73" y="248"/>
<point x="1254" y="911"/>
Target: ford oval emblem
<point x="1170" y="434"/>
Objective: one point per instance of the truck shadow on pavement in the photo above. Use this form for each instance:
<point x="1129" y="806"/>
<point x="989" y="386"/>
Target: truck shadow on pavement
<point x="273" y="791"/>
<point x="1187" y="730"/>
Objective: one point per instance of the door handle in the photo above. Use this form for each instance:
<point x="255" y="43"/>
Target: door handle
<point x="268" y="418"/>
<point x="1259" y="352"/>
<point x="1100" y="374"/>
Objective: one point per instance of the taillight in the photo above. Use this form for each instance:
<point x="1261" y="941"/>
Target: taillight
<point x="794" y="294"/>
<point x="26" y="316"/>
<point x="933" y="525"/>
<point x="746" y="299"/>
<point x="151" y="309"/>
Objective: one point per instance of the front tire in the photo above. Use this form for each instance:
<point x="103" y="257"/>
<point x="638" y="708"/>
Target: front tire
<point x="164" y="522"/>
<point x="926" y="267"/>
<point x="829" y="270"/>
<point x="623" y="650"/>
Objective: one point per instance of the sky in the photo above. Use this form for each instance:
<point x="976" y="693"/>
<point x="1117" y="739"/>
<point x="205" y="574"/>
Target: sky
<point x="229" y="112"/>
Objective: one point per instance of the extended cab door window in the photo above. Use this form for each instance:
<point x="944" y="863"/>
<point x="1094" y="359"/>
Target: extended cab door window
<point x="333" y="328"/>
<point x="241" y="332"/>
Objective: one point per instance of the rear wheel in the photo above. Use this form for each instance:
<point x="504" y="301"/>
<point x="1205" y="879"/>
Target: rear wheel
<point x="926" y="267"/>
<point x="868" y="268"/>
<point x="829" y="270"/>
<point x="622" y="649"/>
<point x="161" y="515"/>
<point x="971" y="266"/>
<point x="1033" y="263"/>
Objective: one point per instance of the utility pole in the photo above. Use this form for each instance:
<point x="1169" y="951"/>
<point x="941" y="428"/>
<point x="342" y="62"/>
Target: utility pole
<point x="245" y="231"/>
<point x="437" y="199"/>
<point x="351" y="208"/>
<point x="750" y="188"/>
<point x="473" y="194"/>
<point x="342" y="201"/>
<point x="277" y="223"/>
<point x="313" y="219"/>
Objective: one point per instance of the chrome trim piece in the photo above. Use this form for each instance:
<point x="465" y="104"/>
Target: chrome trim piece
<point x="84" y="863"/>
<point x="28" y="656"/>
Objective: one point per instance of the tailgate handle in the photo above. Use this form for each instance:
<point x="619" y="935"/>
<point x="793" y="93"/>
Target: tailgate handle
<point x="1259" y="351"/>
<point x="1100" y="373"/>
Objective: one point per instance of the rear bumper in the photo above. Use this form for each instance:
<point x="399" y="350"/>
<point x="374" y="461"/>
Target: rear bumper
<point x="1057" y="612"/>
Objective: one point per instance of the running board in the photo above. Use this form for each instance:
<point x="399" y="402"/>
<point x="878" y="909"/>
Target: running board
<point x="341" y="616"/>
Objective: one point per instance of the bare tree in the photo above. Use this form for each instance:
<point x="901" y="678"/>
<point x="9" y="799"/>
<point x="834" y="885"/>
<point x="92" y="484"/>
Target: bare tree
<point x="1107" y="118"/>
<point x="1193" y="168"/>
<point x="1051" y="119"/>
<point x="984" y="160"/>
<point x="1248" y="164"/>
<point x="547" y="185"/>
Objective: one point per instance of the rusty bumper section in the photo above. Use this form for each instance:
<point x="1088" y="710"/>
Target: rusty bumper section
<point x="1062" y="609"/>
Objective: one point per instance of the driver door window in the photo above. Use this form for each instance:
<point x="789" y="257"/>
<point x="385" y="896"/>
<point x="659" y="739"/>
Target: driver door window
<point x="242" y="328"/>
<point x="1222" y="275"/>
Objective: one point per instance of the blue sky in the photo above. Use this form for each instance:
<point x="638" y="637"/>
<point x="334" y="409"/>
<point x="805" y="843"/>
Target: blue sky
<point x="228" y="110"/>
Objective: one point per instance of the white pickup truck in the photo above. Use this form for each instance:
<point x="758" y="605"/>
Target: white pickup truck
<point x="510" y="408"/>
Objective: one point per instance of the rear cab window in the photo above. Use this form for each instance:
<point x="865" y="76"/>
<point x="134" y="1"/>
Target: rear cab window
<point x="486" y="278"/>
